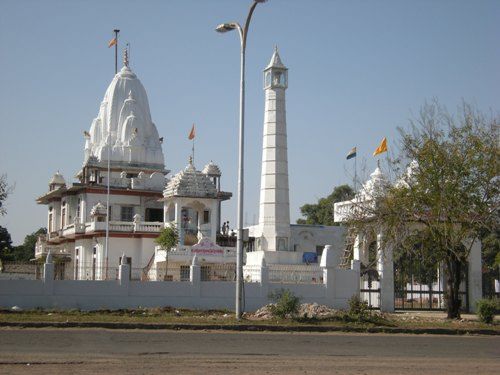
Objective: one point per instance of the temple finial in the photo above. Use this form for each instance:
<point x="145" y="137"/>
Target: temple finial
<point x="125" y="57"/>
<point x="276" y="48"/>
<point x="191" y="159"/>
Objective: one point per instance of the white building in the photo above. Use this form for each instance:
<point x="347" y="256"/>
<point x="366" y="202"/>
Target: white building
<point x="124" y="133"/>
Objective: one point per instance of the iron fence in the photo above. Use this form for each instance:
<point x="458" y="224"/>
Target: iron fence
<point x="218" y="272"/>
<point x="296" y="274"/>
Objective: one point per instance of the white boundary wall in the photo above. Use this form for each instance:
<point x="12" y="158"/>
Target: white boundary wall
<point x="338" y="287"/>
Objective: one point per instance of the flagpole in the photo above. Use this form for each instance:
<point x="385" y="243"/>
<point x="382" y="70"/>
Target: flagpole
<point x="355" y="171"/>
<point x="116" y="31"/>
<point x="193" y="151"/>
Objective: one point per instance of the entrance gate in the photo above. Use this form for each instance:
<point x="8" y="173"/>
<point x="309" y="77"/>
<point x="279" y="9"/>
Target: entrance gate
<point x="421" y="286"/>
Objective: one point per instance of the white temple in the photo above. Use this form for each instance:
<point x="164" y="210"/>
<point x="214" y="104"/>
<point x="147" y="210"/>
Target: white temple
<point x="141" y="200"/>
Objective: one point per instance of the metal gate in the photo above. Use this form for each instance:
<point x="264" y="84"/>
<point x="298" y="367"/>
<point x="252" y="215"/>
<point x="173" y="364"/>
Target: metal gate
<point x="420" y="286"/>
<point x="370" y="288"/>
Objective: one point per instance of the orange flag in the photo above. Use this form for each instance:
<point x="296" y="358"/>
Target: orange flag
<point x="112" y="42"/>
<point x="192" y="133"/>
<point x="381" y="148"/>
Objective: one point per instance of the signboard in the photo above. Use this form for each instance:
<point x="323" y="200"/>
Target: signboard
<point x="207" y="247"/>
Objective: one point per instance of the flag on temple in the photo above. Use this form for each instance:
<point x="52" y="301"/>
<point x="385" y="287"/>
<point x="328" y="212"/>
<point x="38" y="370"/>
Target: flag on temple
<point x="381" y="148"/>
<point x="192" y="133"/>
<point x="112" y="42"/>
<point x="351" y="154"/>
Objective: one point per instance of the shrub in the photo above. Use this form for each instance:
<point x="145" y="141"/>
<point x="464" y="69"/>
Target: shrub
<point x="286" y="303"/>
<point x="168" y="238"/>
<point x="358" y="309"/>
<point x="486" y="309"/>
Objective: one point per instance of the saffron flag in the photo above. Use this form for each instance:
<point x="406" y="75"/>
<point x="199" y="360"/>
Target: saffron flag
<point x="381" y="148"/>
<point x="351" y="154"/>
<point x="112" y="42"/>
<point x="192" y="133"/>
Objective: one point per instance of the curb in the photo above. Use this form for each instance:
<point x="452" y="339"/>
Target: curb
<point x="252" y="328"/>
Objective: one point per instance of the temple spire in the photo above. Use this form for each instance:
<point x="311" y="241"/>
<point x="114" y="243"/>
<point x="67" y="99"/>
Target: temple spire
<point x="125" y="57"/>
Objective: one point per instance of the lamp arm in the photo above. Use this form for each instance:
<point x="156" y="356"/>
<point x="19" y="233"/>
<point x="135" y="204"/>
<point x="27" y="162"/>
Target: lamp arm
<point x="244" y="32"/>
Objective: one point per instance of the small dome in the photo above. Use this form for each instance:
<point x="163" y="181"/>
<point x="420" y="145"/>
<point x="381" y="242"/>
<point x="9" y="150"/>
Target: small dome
<point x="57" y="179"/>
<point x="375" y="185"/>
<point x="98" y="210"/>
<point x="190" y="183"/>
<point x="212" y="170"/>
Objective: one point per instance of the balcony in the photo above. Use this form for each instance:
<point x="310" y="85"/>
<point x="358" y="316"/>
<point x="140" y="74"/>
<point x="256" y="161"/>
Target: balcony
<point x="71" y="230"/>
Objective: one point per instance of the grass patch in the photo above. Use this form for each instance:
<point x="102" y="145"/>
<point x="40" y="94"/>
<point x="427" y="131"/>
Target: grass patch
<point x="169" y="315"/>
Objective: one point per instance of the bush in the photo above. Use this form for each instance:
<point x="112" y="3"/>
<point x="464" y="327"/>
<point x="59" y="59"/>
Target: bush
<point x="286" y="303"/>
<point x="358" y="309"/>
<point x="486" y="309"/>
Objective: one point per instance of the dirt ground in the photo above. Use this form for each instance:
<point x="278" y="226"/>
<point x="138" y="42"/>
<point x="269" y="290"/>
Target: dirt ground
<point x="98" y="351"/>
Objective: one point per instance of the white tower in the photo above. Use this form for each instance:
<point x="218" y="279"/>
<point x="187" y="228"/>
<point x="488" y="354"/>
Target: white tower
<point x="274" y="208"/>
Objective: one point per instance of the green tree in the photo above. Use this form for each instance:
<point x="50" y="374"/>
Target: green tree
<point x="26" y="251"/>
<point x="321" y="213"/>
<point x="168" y="238"/>
<point x="446" y="194"/>
<point x="5" y="245"/>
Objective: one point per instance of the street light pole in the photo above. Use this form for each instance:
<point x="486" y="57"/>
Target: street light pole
<point x="239" y="243"/>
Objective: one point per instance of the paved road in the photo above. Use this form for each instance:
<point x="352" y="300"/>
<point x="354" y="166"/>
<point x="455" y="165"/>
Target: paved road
<point x="99" y="351"/>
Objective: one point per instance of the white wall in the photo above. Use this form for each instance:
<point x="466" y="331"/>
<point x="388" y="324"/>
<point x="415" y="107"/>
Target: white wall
<point x="119" y="294"/>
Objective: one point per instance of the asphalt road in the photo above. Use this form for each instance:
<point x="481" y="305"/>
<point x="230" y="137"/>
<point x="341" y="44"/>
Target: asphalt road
<point x="99" y="351"/>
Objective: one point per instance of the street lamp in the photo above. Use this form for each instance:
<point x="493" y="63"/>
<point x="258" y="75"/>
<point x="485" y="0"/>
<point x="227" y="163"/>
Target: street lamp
<point x="222" y="28"/>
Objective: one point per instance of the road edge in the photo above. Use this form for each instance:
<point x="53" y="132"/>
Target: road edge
<point x="252" y="328"/>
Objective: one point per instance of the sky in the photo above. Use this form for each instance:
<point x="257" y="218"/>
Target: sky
<point x="358" y="70"/>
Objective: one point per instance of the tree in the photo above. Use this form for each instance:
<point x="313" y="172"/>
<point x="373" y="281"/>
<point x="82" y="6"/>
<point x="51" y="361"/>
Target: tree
<point x="26" y="251"/>
<point x="5" y="190"/>
<point x="446" y="195"/>
<point x="321" y="213"/>
<point x="168" y="238"/>
<point x="5" y="245"/>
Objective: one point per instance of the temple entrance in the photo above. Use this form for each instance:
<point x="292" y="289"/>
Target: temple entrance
<point x="421" y="286"/>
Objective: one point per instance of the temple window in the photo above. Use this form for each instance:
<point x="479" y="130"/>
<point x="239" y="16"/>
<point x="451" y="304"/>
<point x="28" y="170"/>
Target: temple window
<point x="206" y="217"/>
<point x="63" y="215"/>
<point x="127" y="213"/>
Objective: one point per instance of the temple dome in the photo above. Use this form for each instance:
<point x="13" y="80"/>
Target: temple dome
<point x="124" y="121"/>
<point x="212" y="170"/>
<point x="190" y="183"/>
<point x="57" y="179"/>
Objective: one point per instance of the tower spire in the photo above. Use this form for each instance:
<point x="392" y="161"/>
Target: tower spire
<point x="125" y="57"/>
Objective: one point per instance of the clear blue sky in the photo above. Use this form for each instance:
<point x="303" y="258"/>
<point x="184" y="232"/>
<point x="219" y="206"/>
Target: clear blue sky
<point x="357" y="71"/>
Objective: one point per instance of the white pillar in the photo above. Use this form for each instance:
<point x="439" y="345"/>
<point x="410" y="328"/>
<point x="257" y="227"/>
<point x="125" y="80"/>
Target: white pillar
<point x="178" y="222"/>
<point x="48" y="275"/>
<point x="274" y="207"/>
<point x="195" y="277"/>
<point x="214" y="220"/>
<point x="385" y="268"/>
<point x="475" y="275"/>
<point x="124" y="272"/>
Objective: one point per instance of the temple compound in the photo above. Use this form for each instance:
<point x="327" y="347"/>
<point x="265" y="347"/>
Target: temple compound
<point x="397" y="284"/>
<point x="141" y="199"/>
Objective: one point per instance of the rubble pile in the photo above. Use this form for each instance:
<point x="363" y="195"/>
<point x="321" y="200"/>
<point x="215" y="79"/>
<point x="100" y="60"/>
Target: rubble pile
<point x="313" y="310"/>
<point x="306" y="310"/>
